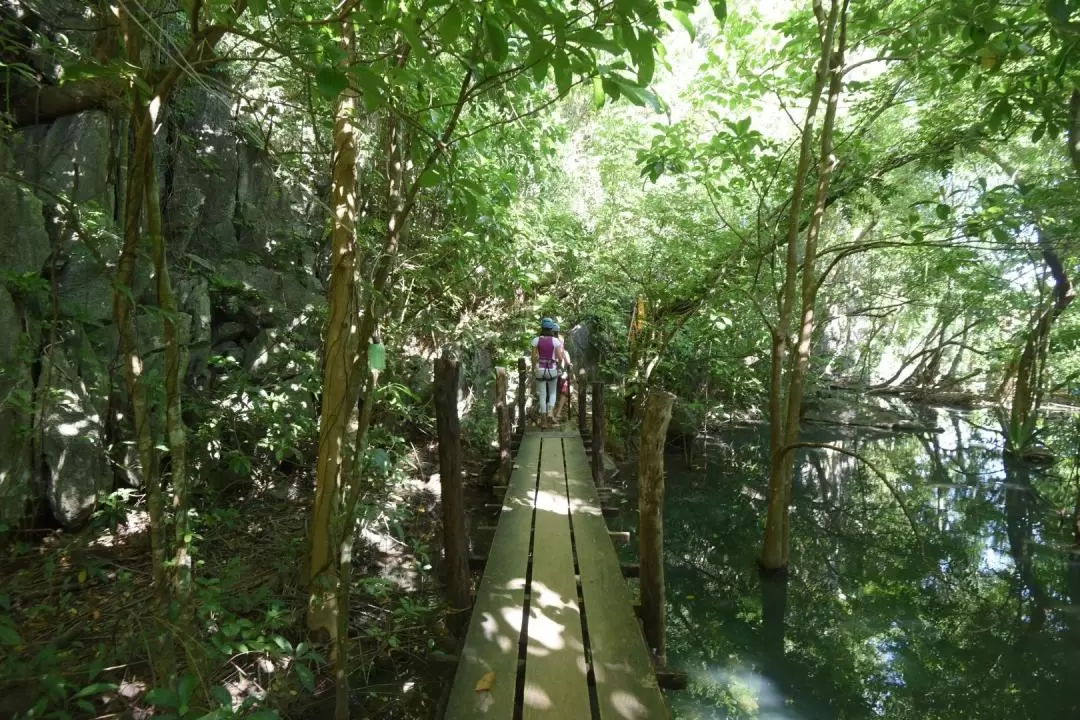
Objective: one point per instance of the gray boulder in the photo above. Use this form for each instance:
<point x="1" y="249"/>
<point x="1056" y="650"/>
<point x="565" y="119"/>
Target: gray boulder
<point x="73" y="447"/>
<point x="24" y="243"/>
<point x="199" y="209"/>
<point x="16" y="468"/>
<point x="69" y="156"/>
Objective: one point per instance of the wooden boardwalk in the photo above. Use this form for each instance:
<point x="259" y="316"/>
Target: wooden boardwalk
<point x="553" y="618"/>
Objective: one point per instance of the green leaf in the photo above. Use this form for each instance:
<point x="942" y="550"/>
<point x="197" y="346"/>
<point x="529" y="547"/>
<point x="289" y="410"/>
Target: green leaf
<point x="539" y="60"/>
<point x="1038" y="133"/>
<point x="97" y="689"/>
<point x="598" y="96"/>
<point x="496" y="39"/>
<point x="999" y="115"/>
<point x="371" y="87"/>
<point x="638" y="95"/>
<point x="430" y="178"/>
<point x="942" y="211"/>
<point x="8" y="636"/>
<point x="222" y="695"/>
<point x="412" y="35"/>
<point x="450" y="27"/>
<point x="686" y="22"/>
<point x="264" y="715"/>
<point x="162" y="697"/>
<point x="719" y="10"/>
<point x="1058" y="10"/>
<point x="564" y="78"/>
<point x="646" y="68"/>
<point x="186" y="689"/>
<point x="330" y="82"/>
<point x="307" y="678"/>
<point x="257" y="7"/>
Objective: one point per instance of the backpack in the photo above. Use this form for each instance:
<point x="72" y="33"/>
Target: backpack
<point x="545" y="352"/>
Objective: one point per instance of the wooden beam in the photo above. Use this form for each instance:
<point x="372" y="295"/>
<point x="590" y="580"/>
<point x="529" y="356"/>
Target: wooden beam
<point x="671" y="679"/>
<point x="619" y="538"/>
<point x="631" y="570"/>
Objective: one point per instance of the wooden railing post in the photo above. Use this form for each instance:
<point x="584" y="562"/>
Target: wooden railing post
<point x="582" y="408"/>
<point x="651" y="518"/>
<point x="502" y="412"/>
<point x="455" y="539"/>
<point x="522" y="392"/>
<point x="598" y="433"/>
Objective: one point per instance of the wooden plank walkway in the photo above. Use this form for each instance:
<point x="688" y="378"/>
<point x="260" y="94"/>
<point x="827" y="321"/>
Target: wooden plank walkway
<point x="553" y="617"/>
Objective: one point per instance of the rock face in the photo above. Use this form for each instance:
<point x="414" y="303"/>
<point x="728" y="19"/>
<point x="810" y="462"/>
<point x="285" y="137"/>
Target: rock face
<point x="73" y="447"/>
<point x="24" y="244"/>
<point x="16" y="387"/>
<point x="241" y="246"/>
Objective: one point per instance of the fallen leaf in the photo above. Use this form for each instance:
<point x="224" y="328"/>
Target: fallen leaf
<point x="486" y="683"/>
<point x="82" y="576"/>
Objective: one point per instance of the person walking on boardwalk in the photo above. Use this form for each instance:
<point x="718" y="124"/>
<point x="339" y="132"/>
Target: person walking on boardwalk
<point x="547" y="354"/>
<point x="562" y="407"/>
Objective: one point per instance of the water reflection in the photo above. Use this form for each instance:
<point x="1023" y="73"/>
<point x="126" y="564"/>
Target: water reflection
<point x="972" y="613"/>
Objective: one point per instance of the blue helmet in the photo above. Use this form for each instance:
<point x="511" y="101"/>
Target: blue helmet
<point x="555" y="327"/>
<point x="547" y="324"/>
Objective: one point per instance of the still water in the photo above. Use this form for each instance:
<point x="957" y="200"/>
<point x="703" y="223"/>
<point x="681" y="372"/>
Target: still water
<point x="967" y="605"/>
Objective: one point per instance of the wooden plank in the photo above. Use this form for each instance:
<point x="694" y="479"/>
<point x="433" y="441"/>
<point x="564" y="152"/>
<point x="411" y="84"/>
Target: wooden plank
<point x="626" y="685"/>
<point x="491" y="643"/>
<point x="556" y="676"/>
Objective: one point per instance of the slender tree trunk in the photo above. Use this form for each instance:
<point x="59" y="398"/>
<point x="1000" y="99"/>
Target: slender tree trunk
<point x="774" y="552"/>
<point x="651" y="517"/>
<point x="176" y="437"/>
<point x="502" y="416"/>
<point x="455" y="540"/>
<point x="141" y="158"/>
<point x="341" y="379"/>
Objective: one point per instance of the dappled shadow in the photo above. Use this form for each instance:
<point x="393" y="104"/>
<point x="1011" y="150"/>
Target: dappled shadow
<point x="528" y="643"/>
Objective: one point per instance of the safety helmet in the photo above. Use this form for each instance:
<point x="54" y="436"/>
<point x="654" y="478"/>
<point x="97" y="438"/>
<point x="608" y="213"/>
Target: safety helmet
<point x="555" y="327"/>
<point x="547" y="324"/>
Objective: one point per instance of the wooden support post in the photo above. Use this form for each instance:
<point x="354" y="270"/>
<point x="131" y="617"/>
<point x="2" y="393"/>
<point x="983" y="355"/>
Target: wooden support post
<point x="651" y="511"/>
<point x="597" y="448"/>
<point x="522" y="391"/>
<point x="455" y="539"/>
<point x="582" y="423"/>
<point x="502" y="411"/>
<point x="619" y="537"/>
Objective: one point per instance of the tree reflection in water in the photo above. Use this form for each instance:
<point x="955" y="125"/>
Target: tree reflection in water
<point x="973" y="613"/>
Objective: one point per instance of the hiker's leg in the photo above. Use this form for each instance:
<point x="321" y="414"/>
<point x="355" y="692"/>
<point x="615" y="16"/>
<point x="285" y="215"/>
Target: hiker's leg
<point x="541" y="394"/>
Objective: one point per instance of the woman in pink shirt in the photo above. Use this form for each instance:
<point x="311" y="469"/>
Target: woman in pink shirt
<point x="547" y="356"/>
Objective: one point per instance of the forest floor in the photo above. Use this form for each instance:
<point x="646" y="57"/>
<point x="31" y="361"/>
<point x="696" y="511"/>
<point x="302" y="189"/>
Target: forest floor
<point x="82" y="636"/>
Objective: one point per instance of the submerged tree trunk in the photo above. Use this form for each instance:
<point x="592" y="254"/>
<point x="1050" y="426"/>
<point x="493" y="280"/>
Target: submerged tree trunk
<point x="784" y="428"/>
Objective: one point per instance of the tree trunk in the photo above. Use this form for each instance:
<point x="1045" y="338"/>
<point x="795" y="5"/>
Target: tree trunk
<point x="455" y="539"/>
<point x="582" y="407"/>
<point x="651" y="518"/>
<point x="522" y="389"/>
<point x="176" y="437"/>
<point x="341" y="378"/>
<point x="502" y="414"/>
<point x="598" y="429"/>
<point x="774" y="552"/>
